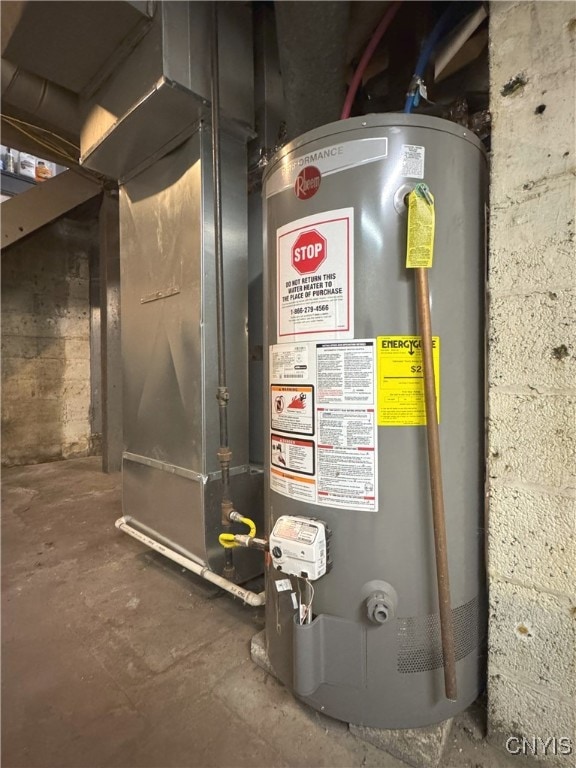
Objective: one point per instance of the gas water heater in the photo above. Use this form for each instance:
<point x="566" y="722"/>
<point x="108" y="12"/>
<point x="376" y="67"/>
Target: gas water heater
<point x="352" y="616"/>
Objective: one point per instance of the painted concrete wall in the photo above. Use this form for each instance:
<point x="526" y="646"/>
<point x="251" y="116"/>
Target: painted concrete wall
<point x="532" y="374"/>
<point x="46" y="343"/>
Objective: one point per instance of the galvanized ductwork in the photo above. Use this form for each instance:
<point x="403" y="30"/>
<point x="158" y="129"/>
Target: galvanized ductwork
<point x="132" y="83"/>
<point x="150" y="126"/>
<point x="41" y="99"/>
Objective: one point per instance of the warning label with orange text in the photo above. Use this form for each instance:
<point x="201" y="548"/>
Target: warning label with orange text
<point x="323" y="431"/>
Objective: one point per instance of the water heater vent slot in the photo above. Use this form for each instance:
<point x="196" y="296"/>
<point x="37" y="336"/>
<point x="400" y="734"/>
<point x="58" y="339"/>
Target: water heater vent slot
<point x="420" y="646"/>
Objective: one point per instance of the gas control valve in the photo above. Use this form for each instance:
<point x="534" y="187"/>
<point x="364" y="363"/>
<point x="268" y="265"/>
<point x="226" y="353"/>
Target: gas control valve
<point x="299" y="546"/>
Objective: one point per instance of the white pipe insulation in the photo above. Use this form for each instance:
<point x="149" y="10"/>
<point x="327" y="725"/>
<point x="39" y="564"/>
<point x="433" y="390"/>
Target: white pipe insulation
<point x="457" y="39"/>
<point x="250" y="598"/>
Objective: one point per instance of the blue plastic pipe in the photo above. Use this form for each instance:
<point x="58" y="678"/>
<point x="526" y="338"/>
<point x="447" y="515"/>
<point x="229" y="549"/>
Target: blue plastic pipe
<point x="455" y="12"/>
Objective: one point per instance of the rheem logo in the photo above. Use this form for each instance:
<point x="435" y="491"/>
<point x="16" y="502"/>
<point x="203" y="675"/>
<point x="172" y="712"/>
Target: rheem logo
<point x="307" y="182"/>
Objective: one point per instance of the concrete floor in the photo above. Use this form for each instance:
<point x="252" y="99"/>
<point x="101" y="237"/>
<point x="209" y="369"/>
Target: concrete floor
<point x="112" y="656"/>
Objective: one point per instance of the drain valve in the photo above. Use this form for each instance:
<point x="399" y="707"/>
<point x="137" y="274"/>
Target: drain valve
<point x="381" y="601"/>
<point x="379" y="608"/>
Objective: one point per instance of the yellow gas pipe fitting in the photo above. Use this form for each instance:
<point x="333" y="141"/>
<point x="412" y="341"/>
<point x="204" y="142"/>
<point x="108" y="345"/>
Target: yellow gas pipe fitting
<point x="228" y="540"/>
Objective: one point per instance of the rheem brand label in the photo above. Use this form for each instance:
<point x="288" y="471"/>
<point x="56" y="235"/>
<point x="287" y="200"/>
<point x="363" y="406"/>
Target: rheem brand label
<point x="307" y="182"/>
<point x="315" y="265"/>
<point x="305" y="172"/>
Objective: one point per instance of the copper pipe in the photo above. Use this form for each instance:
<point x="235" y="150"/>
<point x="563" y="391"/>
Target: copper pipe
<point x="436" y="490"/>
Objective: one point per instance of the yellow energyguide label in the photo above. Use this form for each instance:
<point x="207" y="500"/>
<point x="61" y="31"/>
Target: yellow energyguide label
<point x="400" y="380"/>
<point x="421" y="223"/>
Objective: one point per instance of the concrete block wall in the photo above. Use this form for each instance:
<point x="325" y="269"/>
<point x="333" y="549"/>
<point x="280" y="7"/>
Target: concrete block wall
<point x="46" y="343"/>
<point x="532" y="375"/>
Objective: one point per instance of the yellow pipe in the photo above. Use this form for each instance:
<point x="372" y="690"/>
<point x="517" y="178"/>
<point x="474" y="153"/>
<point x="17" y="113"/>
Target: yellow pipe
<point x="227" y="540"/>
<point x="251" y="525"/>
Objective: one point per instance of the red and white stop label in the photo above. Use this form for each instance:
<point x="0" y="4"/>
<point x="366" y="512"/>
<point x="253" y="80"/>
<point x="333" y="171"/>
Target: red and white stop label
<point x="315" y="276"/>
<point x="309" y="252"/>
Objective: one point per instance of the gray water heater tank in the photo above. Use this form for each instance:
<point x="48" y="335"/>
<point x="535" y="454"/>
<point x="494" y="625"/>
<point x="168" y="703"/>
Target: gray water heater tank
<point x="346" y="435"/>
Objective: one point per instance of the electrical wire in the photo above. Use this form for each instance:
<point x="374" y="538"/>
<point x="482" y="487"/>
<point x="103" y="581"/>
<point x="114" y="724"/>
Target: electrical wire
<point x="42" y="142"/>
<point x="11" y="119"/>
<point x="378" y="34"/>
<point x="299" y="600"/>
<point x="276" y="601"/>
<point x="51" y="146"/>
<point x="305" y="609"/>
<point x="309" y="606"/>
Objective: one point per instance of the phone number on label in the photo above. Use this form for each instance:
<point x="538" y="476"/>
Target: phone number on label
<point x="307" y="310"/>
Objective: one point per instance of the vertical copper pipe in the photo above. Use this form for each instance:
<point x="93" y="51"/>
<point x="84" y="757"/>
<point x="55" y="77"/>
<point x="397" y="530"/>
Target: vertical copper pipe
<point x="436" y="490"/>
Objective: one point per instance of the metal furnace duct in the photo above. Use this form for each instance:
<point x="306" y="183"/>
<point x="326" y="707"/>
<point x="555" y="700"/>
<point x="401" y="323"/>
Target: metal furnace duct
<point x="342" y="346"/>
<point x="146" y="126"/>
<point x="171" y="475"/>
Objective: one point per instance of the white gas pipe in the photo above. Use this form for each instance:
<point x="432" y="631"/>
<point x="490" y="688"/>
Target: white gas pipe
<point x="248" y="597"/>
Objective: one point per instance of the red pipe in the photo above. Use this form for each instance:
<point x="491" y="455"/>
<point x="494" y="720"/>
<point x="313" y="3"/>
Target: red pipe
<point x="366" y="56"/>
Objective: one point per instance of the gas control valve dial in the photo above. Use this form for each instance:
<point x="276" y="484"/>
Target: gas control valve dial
<point x="299" y="546"/>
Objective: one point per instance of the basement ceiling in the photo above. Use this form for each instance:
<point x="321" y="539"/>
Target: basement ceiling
<point x="78" y="45"/>
<point x="44" y="37"/>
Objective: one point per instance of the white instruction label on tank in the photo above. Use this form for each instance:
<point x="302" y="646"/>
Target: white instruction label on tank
<point x="315" y="269"/>
<point x="291" y="362"/>
<point x="345" y="372"/>
<point x="346" y="457"/>
<point x="294" y="486"/>
<point x="323" y="449"/>
<point x="412" y="161"/>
